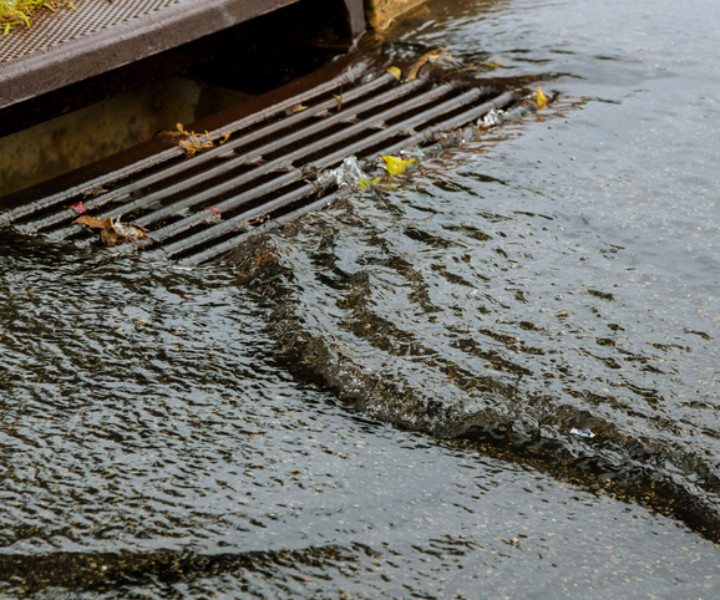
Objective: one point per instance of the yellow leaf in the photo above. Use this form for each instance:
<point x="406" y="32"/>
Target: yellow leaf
<point x="541" y="99"/>
<point x="299" y="108"/>
<point x="395" y="72"/>
<point x="396" y="165"/>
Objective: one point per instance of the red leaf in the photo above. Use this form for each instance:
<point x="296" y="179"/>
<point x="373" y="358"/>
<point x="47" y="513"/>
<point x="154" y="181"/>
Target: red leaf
<point x="214" y="211"/>
<point x="79" y="207"/>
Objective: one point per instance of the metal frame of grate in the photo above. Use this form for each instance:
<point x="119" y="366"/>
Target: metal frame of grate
<point x="267" y="169"/>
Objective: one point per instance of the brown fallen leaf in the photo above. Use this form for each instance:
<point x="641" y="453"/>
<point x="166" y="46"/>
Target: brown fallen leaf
<point x="190" y="141"/>
<point x="114" y="232"/>
<point x="94" y="192"/>
<point x="431" y="56"/>
<point x="92" y="222"/>
<point x="109" y="237"/>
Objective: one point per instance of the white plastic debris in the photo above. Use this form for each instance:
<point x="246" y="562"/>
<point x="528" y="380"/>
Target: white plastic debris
<point x="493" y="117"/>
<point x="348" y="173"/>
<point x="582" y="432"/>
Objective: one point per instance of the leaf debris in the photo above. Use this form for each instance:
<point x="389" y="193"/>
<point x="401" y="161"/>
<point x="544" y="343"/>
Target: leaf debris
<point x="540" y="98"/>
<point x="432" y="56"/>
<point x="191" y="141"/>
<point x="396" y="165"/>
<point x="114" y="232"/>
<point x="395" y="72"/>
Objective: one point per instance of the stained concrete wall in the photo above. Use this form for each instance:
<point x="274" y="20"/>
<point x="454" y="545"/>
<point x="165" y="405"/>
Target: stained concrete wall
<point x="81" y="137"/>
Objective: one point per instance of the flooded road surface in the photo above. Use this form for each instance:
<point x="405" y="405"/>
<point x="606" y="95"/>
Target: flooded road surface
<point x="495" y="377"/>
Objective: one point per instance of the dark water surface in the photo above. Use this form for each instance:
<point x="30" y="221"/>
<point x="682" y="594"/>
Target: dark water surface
<point x="473" y="383"/>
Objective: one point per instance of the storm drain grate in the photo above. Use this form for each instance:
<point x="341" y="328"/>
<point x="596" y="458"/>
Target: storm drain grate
<point x="265" y="174"/>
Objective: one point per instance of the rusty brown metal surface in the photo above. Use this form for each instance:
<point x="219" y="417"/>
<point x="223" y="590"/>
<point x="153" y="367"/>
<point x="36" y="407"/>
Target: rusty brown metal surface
<point x="98" y="36"/>
<point x="265" y="174"/>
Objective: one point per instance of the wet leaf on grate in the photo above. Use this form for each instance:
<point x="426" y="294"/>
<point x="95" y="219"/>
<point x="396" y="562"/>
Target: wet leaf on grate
<point x="190" y="141"/>
<point x="541" y="99"/>
<point x="432" y="56"/>
<point x="92" y="222"/>
<point x="94" y="192"/>
<point x="114" y="232"/>
<point x="395" y="72"/>
<point x="396" y="165"/>
<point x="364" y="183"/>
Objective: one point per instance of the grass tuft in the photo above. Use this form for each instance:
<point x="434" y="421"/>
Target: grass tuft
<point x="18" y="12"/>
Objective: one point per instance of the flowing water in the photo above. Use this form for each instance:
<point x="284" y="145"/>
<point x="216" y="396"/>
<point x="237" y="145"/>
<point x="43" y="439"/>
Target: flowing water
<point x="497" y="376"/>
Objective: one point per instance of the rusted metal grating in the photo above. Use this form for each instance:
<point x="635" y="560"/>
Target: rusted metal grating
<point x="267" y="169"/>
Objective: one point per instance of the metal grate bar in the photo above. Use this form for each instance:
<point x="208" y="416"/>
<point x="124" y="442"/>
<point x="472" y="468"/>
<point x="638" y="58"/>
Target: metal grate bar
<point x="219" y="229"/>
<point x="229" y="185"/>
<point x="201" y="217"/>
<point x="207" y="235"/>
<point x="263" y="172"/>
<point x="322" y="163"/>
<point x="224" y="247"/>
<point x="238" y="221"/>
<point x="349" y="77"/>
<point x="175" y="171"/>
<point x="464" y="118"/>
<point x="228" y="164"/>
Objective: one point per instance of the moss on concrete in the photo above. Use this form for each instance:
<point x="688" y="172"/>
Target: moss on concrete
<point x="20" y="12"/>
